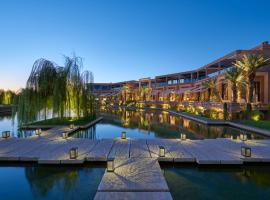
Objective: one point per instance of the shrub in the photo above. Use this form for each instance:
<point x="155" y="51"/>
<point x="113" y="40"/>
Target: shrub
<point x="256" y="115"/>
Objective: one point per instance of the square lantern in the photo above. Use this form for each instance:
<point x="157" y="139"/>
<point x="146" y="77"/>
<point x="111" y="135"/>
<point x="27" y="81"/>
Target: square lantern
<point x="38" y="132"/>
<point x="246" y="151"/>
<point x="110" y="165"/>
<point x="65" y="135"/>
<point x="5" y="134"/>
<point x="243" y="137"/>
<point x="71" y="126"/>
<point x="161" y="151"/>
<point x="183" y="136"/>
<point x="73" y="153"/>
<point x="123" y="135"/>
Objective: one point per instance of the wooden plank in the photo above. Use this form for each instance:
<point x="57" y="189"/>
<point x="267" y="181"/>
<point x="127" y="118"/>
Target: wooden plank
<point x="153" y="146"/>
<point x="134" y="175"/>
<point x="139" y="149"/>
<point x="120" y="149"/>
<point x="101" y="151"/>
<point x="133" y="195"/>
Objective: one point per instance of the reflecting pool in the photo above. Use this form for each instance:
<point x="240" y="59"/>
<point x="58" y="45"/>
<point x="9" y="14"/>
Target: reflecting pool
<point x="49" y="182"/>
<point x="140" y="124"/>
<point x="155" y="124"/>
<point x="241" y="182"/>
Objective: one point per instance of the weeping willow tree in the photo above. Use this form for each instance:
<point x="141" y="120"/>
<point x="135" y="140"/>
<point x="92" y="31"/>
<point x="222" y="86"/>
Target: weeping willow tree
<point x="63" y="91"/>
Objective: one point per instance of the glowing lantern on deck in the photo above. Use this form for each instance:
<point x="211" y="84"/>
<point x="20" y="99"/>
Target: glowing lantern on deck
<point x="71" y="126"/>
<point x="246" y="151"/>
<point x="110" y="165"/>
<point x="123" y="135"/>
<point x="183" y="136"/>
<point x="65" y="135"/>
<point x="5" y="134"/>
<point x="161" y="151"/>
<point x="243" y="137"/>
<point x="38" y="132"/>
<point x="73" y="153"/>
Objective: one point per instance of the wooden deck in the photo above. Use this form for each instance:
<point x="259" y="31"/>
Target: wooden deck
<point x="137" y="173"/>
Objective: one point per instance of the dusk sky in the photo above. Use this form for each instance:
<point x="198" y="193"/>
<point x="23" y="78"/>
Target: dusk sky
<point x="128" y="39"/>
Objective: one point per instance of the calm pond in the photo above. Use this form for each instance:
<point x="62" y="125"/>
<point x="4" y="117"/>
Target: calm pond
<point x="34" y="181"/>
<point x="141" y="124"/>
<point x="220" y="183"/>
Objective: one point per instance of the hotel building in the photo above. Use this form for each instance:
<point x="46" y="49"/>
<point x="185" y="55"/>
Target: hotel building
<point x="187" y="88"/>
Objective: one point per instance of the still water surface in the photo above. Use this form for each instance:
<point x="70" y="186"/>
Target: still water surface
<point x="140" y="124"/>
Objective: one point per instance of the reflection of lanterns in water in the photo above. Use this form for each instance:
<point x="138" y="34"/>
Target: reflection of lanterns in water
<point x="186" y="123"/>
<point x="172" y="120"/>
<point x="245" y="151"/>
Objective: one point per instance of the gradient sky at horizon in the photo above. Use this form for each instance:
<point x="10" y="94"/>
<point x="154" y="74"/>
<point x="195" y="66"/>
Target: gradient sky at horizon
<point x="126" y="39"/>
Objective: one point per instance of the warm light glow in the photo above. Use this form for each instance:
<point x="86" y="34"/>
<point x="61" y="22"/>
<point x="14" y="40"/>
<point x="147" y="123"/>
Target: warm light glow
<point x="38" y="132"/>
<point x="161" y="151"/>
<point x="123" y="135"/>
<point x="243" y="137"/>
<point x="5" y="134"/>
<point x="246" y="151"/>
<point x="183" y="136"/>
<point x="73" y="153"/>
<point x="65" y="135"/>
<point x="110" y="165"/>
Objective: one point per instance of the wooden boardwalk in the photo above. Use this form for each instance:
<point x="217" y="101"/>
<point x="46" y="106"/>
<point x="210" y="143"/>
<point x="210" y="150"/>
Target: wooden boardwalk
<point x="137" y="174"/>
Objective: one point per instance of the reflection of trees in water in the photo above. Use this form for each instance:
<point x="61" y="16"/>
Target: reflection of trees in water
<point x="168" y="125"/>
<point x="62" y="181"/>
<point x="260" y="175"/>
<point x="89" y="133"/>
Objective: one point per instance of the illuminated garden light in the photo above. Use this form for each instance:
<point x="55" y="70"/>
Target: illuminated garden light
<point x="183" y="136"/>
<point x="243" y="137"/>
<point x="161" y="151"/>
<point x="38" y="132"/>
<point x="245" y="151"/>
<point x="5" y="134"/>
<point x="110" y="165"/>
<point x="71" y="126"/>
<point x="73" y="153"/>
<point x="123" y="135"/>
<point x="65" y="135"/>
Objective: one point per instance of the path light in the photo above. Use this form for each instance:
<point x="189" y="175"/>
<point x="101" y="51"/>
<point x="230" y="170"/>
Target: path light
<point x="5" y="134"/>
<point x="183" y="136"/>
<point x="38" y="132"/>
<point x="243" y="137"/>
<point x="245" y="151"/>
<point x="123" y="135"/>
<point x="65" y="135"/>
<point x="161" y="151"/>
<point x="71" y="126"/>
<point x="73" y="153"/>
<point x="110" y="165"/>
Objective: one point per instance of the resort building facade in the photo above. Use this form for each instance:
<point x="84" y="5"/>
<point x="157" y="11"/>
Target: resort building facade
<point x="188" y="88"/>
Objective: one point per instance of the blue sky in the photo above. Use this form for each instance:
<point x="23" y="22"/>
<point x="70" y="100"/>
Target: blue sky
<point x="126" y="39"/>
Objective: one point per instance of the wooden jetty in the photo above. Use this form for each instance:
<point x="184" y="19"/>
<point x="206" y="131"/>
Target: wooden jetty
<point x="137" y="173"/>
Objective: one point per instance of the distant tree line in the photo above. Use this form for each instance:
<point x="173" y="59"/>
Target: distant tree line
<point x="6" y="97"/>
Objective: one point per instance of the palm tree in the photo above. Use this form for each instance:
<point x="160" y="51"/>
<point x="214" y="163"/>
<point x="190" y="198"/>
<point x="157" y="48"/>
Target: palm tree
<point x="234" y="75"/>
<point x="211" y="85"/>
<point x="249" y="64"/>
